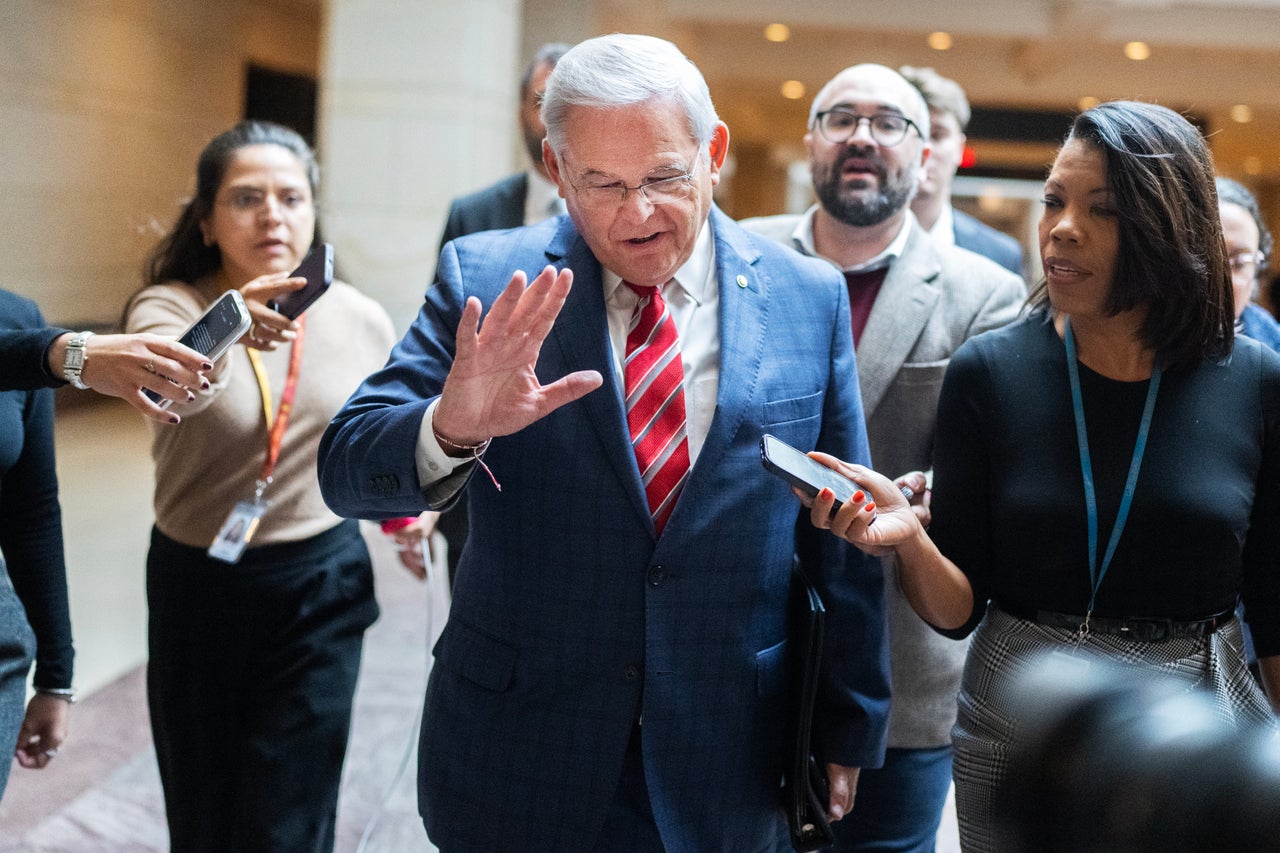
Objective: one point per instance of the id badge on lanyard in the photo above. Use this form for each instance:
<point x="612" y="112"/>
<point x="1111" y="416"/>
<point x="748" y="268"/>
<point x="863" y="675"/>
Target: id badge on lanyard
<point x="245" y="517"/>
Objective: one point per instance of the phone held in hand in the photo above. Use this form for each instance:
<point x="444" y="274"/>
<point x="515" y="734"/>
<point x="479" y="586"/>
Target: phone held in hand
<point x="805" y="474"/>
<point x="317" y="269"/>
<point x="214" y="333"/>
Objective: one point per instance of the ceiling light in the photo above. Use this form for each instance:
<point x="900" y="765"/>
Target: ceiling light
<point x="777" y="32"/>
<point x="793" y="90"/>
<point x="1137" y="50"/>
<point x="940" y="41"/>
<point x="1242" y="114"/>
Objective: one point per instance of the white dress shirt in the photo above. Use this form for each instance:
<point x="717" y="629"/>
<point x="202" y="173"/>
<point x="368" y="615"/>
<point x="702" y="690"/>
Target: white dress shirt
<point x="802" y="240"/>
<point x="943" y="231"/>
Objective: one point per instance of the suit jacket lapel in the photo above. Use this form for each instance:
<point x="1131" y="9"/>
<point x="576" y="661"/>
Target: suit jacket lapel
<point x="903" y="307"/>
<point x="581" y="334"/>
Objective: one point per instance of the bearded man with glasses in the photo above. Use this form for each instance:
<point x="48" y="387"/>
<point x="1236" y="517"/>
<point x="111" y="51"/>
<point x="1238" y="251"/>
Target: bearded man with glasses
<point x="914" y="301"/>
<point x="614" y="672"/>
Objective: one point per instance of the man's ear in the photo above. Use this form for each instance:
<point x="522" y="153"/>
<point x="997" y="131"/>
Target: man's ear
<point x="718" y="149"/>
<point x="719" y="145"/>
<point x="552" y="165"/>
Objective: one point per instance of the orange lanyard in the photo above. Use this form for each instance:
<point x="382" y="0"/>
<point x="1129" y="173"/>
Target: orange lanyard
<point x="276" y="425"/>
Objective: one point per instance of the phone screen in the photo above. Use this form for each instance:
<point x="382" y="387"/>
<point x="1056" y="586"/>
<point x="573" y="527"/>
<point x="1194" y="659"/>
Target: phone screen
<point x="807" y="475"/>
<point x="217" y="325"/>
<point x="215" y="332"/>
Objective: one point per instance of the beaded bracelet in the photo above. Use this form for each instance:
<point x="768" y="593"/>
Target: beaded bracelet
<point x="474" y="449"/>
<point x="469" y="448"/>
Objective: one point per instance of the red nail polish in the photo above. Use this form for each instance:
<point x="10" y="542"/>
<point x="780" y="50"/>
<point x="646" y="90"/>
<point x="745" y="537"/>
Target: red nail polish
<point x="826" y="494"/>
<point x="858" y="496"/>
<point x="870" y="506"/>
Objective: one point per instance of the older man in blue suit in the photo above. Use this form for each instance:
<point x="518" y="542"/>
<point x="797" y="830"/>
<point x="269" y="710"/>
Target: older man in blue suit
<point x="613" y="675"/>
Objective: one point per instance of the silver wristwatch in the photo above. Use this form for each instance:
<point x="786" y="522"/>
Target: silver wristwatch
<point x="75" y="359"/>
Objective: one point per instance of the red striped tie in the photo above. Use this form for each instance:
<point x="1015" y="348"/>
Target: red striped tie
<point x="654" y="383"/>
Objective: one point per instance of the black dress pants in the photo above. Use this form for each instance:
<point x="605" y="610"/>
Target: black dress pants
<point x="250" y="680"/>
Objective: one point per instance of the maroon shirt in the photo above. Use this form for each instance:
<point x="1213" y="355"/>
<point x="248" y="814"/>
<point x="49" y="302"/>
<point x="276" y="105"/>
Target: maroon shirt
<point x="863" y="287"/>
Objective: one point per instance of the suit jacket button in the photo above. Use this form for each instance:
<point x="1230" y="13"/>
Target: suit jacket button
<point x="657" y="575"/>
<point x="385" y="484"/>
<point x="631" y="672"/>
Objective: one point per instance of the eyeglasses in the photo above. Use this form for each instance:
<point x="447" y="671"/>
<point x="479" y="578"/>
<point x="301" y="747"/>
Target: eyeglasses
<point x="661" y="191"/>
<point x="887" y="129"/>
<point x="253" y="202"/>
<point x="1242" y="261"/>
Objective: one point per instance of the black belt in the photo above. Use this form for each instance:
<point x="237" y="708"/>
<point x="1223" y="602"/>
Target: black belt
<point x="1143" y="628"/>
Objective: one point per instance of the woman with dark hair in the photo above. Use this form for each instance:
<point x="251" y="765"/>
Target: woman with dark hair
<point x="1107" y="470"/>
<point x="258" y="595"/>
<point x="1249" y="251"/>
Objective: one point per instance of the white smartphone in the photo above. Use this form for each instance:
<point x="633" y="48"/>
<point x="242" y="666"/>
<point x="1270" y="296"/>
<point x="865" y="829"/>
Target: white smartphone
<point x="217" y="331"/>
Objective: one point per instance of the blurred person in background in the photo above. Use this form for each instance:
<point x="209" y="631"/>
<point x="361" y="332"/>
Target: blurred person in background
<point x="948" y="119"/>
<point x="1249" y="251"/>
<point x="253" y="653"/>
<point x="914" y="301"/>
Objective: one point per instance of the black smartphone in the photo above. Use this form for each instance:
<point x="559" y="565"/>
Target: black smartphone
<point x="317" y="269"/>
<point x="807" y="475"/>
<point x="216" y="332"/>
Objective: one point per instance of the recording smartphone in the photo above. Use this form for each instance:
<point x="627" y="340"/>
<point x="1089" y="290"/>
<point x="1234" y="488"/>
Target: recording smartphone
<point x="317" y="269"/>
<point x="214" y="333"/>
<point x="807" y="475"/>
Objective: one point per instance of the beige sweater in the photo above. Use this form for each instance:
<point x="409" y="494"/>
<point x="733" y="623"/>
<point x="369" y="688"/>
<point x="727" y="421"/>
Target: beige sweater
<point x="212" y="459"/>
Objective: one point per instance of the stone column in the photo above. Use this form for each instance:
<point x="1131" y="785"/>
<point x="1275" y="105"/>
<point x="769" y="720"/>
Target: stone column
<point x="418" y="103"/>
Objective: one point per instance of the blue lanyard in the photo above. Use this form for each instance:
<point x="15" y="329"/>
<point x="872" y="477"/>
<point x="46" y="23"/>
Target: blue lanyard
<point x="1096" y="572"/>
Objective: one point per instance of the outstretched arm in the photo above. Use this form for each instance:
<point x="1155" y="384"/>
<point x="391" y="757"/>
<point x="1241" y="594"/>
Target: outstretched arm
<point x="122" y="365"/>
<point x="886" y="523"/>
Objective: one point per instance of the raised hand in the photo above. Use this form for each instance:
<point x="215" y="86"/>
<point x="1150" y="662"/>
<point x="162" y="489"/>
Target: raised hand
<point x="492" y="388"/>
<point x="269" y="328"/>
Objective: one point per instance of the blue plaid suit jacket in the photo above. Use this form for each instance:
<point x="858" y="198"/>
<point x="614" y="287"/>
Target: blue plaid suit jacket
<point x="570" y="621"/>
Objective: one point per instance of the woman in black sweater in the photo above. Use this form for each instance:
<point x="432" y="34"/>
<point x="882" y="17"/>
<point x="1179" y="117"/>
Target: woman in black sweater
<point x="1107" y="475"/>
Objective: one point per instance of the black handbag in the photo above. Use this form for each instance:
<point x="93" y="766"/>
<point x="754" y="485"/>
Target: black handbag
<point x="805" y="790"/>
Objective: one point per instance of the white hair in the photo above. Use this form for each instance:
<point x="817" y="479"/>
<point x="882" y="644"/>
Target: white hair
<point x="620" y="70"/>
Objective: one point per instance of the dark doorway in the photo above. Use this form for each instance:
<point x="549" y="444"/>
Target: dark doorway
<point x="288" y="99"/>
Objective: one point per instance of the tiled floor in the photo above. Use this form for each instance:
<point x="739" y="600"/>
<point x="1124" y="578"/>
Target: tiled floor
<point x="102" y="793"/>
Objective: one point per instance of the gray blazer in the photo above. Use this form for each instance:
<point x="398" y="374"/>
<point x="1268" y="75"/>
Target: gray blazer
<point x="933" y="298"/>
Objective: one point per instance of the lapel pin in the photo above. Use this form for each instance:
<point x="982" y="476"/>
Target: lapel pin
<point x="742" y="281"/>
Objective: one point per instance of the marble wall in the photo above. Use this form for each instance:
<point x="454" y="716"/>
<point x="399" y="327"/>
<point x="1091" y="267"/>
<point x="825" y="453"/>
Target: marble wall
<point x="104" y="107"/>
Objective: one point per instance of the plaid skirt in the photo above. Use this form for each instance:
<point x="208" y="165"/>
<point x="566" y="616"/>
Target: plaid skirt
<point x="1006" y="648"/>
